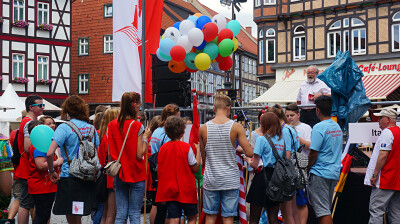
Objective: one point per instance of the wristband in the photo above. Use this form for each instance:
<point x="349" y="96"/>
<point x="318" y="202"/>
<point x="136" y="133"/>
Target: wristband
<point x="51" y="171"/>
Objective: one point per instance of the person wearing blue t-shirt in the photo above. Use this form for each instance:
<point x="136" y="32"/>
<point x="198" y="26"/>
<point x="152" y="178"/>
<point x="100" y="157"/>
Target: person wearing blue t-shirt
<point x="324" y="160"/>
<point x="256" y="196"/>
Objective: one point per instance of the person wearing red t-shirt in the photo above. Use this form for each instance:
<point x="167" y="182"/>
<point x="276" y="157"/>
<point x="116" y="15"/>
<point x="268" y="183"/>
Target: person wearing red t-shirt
<point x="129" y="185"/>
<point x="34" y="107"/>
<point x="109" y="210"/>
<point x="176" y="166"/>
<point x="40" y="187"/>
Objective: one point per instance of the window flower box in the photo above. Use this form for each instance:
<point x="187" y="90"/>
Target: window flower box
<point x="44" y="26"/>
<point x="201" y="93"/>
<point x="21" y="80"/>
<point x="1" y="19"/>
<point x="20" y="23"/>
<point x="209" y="94"/>
<point x="44" y="81"/>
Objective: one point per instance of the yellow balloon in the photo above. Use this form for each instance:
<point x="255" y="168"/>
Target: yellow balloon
<point x="236" y="43"/>
<point x="162" y="37"/>
<point x="198" y="14"/>
<point x="202" y="61"/>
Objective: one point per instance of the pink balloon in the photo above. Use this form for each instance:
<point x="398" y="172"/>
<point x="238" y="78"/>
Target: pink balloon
<point x="178" y="53"/>
<point x="225" y="34"/>
<point x="210" y="31"/>
<point x="225" y="63"/>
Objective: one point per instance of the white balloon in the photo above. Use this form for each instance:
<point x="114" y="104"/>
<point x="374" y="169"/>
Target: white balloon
<point x="196" y="37"/>
<point x="185" y="43"/>
<point x="220" y="20"/>
<point x="172" y="33"/>
<point x="185" y="26"/>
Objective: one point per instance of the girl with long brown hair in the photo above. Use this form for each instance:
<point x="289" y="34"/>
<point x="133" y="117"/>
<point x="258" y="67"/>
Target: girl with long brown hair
<point x="129" y="185"/>
<point x="109" y="210"/>
<point x="271" y="128"/>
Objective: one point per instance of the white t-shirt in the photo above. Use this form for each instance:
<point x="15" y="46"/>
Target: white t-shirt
<point x="307" y="88"/>
<point x="384" y="142"/>
<point x="304" y="132"/>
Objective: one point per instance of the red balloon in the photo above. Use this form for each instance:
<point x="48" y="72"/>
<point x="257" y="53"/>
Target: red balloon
<point x="235" y="116"/>
<point x="225" y="63"/>
<point x="191" y="70"/>
<point x="210" y="31"/>
<point x="218" y="58"/>
<point x="193" y="50"/>
<point x="178" y="53"/>
<point x="225" y="34"/>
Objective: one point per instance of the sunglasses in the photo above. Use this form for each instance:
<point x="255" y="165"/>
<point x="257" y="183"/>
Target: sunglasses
<point x="41" y="105"/>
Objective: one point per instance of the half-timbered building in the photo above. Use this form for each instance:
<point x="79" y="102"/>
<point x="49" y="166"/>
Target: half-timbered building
<point x="293" y="34"/>
<point x="35" y="47"/>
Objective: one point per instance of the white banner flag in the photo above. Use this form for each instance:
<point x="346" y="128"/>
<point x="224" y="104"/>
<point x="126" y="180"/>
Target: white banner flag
<point x="127" y="33"/>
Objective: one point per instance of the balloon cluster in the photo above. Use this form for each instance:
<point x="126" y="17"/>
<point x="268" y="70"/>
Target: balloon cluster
<point x="196" y="42"/>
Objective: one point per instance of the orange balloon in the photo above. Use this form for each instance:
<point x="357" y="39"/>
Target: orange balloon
<point x="193" y="50"/>
<point x="198" y="14"/>
<point x="176" y="66"/>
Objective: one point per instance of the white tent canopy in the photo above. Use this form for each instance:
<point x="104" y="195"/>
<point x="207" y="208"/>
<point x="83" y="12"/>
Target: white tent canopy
<point x="280" y="92"/>
<point x="11" y="99"/>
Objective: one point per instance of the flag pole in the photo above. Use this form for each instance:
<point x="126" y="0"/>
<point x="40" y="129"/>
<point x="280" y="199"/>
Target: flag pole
<point x="143" y="51"/>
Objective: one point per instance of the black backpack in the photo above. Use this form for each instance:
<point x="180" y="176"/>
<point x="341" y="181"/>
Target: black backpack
<point x="153" y="160"/>
<point x="282" y="185"/>
<point x="15" y="159"/>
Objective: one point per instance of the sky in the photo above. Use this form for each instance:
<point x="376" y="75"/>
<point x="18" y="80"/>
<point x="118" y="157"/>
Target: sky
<point x="245" y="17"/>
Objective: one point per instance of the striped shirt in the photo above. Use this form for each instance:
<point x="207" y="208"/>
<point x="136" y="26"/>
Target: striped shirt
<point x="221" y="172"/>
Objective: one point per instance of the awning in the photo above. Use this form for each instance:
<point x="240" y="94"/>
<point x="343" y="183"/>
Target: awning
<point x="48" y="106"/>
<point x="378" y="87"/>
<point x="280" y="92"/>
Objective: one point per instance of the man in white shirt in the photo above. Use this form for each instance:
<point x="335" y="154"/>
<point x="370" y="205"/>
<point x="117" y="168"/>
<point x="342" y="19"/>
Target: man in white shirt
<point x="382" y="171"/>
<point x="310" y="90"/>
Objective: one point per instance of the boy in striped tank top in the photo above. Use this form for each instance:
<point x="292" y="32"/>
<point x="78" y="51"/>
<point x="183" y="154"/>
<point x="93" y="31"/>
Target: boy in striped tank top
<point x="221" y="176"/>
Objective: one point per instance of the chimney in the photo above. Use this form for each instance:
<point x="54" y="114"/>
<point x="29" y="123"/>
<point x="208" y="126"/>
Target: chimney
<point x="248" y="30"/>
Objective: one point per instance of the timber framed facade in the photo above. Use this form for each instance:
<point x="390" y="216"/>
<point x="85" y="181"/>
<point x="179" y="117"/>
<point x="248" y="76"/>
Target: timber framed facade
<point x="293" y="34"/>
<point x="35" y="43"/>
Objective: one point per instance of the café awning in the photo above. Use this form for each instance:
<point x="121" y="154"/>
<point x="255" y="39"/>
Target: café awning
<point x="280" y="92"/>
<point x="378" y="87"/>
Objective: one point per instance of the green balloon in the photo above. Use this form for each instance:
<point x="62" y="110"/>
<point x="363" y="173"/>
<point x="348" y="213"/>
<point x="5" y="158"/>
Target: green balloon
<point x="215" y="41"/>
<point x="165" y="56"/>
<point x="189" y="60"/>
<point x="234" y="25"/>
<point x="212" y="50"/>
<point x="226" y="47"/>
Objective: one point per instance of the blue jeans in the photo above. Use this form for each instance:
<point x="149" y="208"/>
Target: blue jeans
<point x="99" y="213"/>
<point x="129" y="198"/>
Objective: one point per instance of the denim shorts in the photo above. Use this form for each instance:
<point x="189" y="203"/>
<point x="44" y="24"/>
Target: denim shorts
<point x="228" y="199"/>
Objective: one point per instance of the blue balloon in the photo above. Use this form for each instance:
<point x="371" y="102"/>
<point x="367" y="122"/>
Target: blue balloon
<point x="162" y="57"/>
<point x="202" y="45"/>
<point x="41" y="137"/>
<point x="201" y="21"/>
<point x="165" y="46"/>
<point x="176" y="25"/>
<point x="193" y="19"/>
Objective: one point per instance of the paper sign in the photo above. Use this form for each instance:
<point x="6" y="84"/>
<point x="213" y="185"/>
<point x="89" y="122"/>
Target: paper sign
<point x="364" y="132"/>
<point x="186" y="136"/>
<point x="77" y="207"/>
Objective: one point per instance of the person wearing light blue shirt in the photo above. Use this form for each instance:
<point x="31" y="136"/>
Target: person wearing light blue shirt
<point x="324" y="160"/>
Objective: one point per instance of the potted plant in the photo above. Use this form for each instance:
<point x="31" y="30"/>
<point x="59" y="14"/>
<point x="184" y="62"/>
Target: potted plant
<point x="209" y="94"/>
<point x="44" y="26"/>
<point x="44" y="81"/>
<point x="21" y="80"/>
<point x="1" y="19"/>
<point x="20" y="23"/>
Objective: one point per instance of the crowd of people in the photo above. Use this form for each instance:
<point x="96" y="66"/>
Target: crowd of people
<point x="44" y="183"/>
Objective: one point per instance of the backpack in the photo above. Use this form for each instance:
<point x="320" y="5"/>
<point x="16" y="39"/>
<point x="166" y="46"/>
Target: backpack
<point x="153" y="160"/>
<point x="300" y="162"/>
<point x="282" y="185"/>
<point x="85" y="165"/>
<point x="16" y="157"/>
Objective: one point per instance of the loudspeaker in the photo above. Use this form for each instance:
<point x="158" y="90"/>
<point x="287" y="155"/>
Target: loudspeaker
<point x="169" y="87"/>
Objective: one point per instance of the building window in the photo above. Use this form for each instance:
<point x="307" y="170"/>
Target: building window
<point x="108" y="11"/>
<point x="255" y="67"/>
<point x="299" y="43"/>
<point x="83" y="84"/>
<point x="269" y="2"/>
<point x="18" y="70"/>
<point x="338" y="37"/>
<point x="108" y="44"/>
<point x="83" y="46"/>
<point x="396" y="32"/>
<point x="246" y="65"/>
<point x="19" y="10"/>
<point x="43" y="67"/>
<point x="261" y="51"/>
<point x="270" y="46"/>
<point x="258" y="3"/>
<point x="43" y="13"/>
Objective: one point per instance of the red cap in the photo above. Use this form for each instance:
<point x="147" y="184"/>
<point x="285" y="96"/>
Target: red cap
<point x="235" y="116"/>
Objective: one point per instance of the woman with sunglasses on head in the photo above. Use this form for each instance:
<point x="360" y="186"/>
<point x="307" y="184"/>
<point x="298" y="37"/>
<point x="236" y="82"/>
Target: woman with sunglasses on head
<point x="75" y="197"/>
<point x="292" y="141"/>
<point x="158" y="138"/>
<point x="129" y="185"/>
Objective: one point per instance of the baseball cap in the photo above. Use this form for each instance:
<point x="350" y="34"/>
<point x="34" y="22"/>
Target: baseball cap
<point x="387" y="112"/>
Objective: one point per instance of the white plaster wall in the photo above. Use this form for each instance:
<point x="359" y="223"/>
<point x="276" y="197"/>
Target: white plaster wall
<point x="31" y="52"/>
<point x="17" y="46"/>
<point x="5" y="50"/>
<point x="41" y="48"/>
